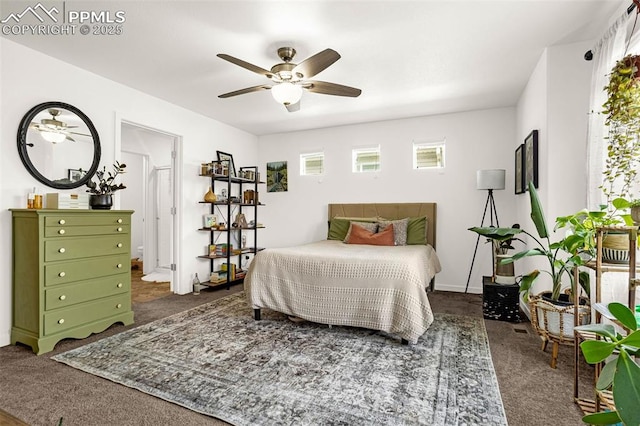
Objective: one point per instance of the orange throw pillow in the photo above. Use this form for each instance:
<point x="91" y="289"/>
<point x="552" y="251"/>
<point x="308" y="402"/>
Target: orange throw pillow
<point x="359" y="235"/>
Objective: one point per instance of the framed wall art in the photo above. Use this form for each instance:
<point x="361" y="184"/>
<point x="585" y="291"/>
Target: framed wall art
<point x="227" y="159"/>
<point x="531" y="159"/>
<point x="519" y="170"/>
<point x="277" y="180"/>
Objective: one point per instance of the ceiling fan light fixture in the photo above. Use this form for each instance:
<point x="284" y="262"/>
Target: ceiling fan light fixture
<point x="286" y="93"/>
<point x="53" y="137"/>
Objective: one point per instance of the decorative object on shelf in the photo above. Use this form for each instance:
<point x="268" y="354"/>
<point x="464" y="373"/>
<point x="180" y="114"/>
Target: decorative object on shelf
<point x="227" y="160"/>
<point x="196" y="285"/>
<point x="490" y="180"/>
<point x="241" y="221"/>
<point x="519" y="170"/>
<point x="210" y="197"/>
<point x="250" y="196"/>
<point x="621" y="373"/>
<point x="209" y="221"/>
<point x="277" y="177"/>
<point x="531" y="159"/>
<point x="102" y="190"/>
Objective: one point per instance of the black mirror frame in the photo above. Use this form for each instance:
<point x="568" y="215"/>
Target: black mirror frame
<point x="24" y="155"/>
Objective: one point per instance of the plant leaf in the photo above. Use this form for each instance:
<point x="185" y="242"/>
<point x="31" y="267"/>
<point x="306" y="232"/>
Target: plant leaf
<point x="626" y="389"/>
<point x="537" y="215"/>
<point x="606" y="330"/>
<point x="606" y="376"/>
<point x="499" y="234"/>
<point x="602" y="418"/>
<point x="624" y="315"/>
<point x="632" y="339"/>
<point x="596" y="350"/>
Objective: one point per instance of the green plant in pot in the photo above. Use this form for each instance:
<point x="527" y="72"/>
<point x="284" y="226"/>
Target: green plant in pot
<point x="621" y="374"/>
<point x="102" y="190"/>
<point x="622" y="117"/>
<point x="552" y="312"/>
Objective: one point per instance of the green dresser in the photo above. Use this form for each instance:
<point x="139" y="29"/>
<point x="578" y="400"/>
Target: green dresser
<point x="71" y="274"/>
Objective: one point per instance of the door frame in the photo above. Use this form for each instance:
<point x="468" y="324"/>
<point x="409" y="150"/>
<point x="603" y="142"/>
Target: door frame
<point x="176" y="169"/>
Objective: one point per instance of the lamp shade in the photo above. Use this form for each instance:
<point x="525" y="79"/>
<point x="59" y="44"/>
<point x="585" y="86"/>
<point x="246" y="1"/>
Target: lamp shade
<point x="490" y="179"/>
<point x="53" y="137"/>
<point x="286" y="93"/>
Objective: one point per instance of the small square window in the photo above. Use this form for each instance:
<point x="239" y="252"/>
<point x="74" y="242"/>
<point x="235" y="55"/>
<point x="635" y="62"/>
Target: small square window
<point x="312" y="164"/>
<point x="428" y="155"/>
<point x="366" y="159"/>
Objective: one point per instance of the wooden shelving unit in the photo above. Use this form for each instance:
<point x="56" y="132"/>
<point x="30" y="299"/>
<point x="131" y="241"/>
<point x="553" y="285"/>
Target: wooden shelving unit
<point x="604" y="399"/>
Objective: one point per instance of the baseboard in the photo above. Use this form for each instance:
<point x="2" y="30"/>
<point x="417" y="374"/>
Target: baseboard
<point x="5" y="339"/>
<point x="457" y="288"/>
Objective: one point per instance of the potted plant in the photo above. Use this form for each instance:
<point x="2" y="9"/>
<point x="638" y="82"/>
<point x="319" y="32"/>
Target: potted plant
<point x="621" y="374"/>
<point x="102" y="190"/>
<point x="623" y="120"/>
<point x="552" y="312"/>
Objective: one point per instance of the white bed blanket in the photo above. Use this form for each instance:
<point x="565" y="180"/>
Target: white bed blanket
<point x="329" y="282"/>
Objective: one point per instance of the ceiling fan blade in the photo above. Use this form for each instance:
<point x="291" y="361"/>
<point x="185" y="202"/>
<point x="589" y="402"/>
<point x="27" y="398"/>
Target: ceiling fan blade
<point x="76" y="133"/>
<point x="243" y="91"/>
<point x="316" y="63"/>
<point x="245" y="65"/>
<point x="69" y="138"/>
<point x="293" y="107"/>
<point x="331" y="89"/>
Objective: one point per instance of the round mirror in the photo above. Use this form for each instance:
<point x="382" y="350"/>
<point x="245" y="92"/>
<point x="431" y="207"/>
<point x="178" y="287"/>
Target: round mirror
<point x="59" y="145"/>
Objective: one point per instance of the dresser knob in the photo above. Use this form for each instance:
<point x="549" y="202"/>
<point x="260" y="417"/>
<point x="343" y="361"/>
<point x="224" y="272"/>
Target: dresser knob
<point x="61" y="232"/>
<point x="61" y="274"/>
<point x="119" y="229"/>
<point x="61" y="250"/>
<point x="119" y="265"/>
<point x="119" y="220"/>
<point x="61" y="321"/>
<point x="119" y="245"/>
<point x="119" y="285"/>
<point x="63" y="297"/>
<point x="119" y="305"/>
<point x="62" y="221"/>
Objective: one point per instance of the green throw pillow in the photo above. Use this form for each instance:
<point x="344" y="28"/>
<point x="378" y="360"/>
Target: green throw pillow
<point x="339" y="226"/>
<point x="417" y="231"/>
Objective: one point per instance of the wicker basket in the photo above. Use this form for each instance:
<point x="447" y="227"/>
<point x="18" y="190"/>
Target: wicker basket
<point x="555" y="322"/>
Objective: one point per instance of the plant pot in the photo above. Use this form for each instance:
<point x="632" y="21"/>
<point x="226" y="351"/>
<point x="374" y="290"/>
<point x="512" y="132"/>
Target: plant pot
<point x="615" y="248"/>
<point x="101" y="201"/>
<point x="504" y="271"/>
<point x="554" y="319"/>
<point x="635" y="214"/>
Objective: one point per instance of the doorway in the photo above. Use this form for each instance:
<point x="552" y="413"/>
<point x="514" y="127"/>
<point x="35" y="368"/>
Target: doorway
<point x="150" y="180"/>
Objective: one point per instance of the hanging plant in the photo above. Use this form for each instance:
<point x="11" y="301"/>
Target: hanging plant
<point x="622" y="111"/>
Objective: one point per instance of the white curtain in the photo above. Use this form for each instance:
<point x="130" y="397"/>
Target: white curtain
<point x="605" y="54"/>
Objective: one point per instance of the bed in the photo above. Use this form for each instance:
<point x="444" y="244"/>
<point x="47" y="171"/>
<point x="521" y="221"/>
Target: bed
<point x="360" y="285"/>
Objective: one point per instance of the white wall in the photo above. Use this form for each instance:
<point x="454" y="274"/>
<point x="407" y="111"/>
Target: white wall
<point x="556" y="102"/>
<point x="475" y="140"/>
<point x="28" y="77"/>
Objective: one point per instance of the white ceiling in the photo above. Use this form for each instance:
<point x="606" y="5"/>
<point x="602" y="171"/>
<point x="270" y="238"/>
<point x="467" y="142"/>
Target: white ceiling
<point x="410" y="58"/>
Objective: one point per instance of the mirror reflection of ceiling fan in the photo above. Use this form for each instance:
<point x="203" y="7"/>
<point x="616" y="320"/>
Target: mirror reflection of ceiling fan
<point x="54" y="130"/>
<point x="290" y="79"/>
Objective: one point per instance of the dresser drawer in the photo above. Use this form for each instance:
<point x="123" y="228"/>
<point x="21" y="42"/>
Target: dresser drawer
<point x="75" y="248"/>
<point x="75" y="231"/>
<point x="64" y="319"/>
<point x="67" y="295"/>
<point x="90" y="219"/>
<point x="84" y="269"/>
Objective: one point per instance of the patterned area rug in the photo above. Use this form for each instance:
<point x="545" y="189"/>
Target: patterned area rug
<point x="215" y="359"/>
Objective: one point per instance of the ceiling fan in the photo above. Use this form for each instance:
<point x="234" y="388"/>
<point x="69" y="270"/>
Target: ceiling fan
<point x="289" y="79"/>
<point x="54" y="130"/>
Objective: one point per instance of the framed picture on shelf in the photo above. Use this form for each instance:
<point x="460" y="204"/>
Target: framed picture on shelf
<point x="209" y="220"/>
<point x="531" y="159"/>
<point x="519" y="170"/>
<point x="227" y="159"/>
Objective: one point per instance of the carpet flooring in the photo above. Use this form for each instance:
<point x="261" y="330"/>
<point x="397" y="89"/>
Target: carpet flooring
<point x="41" y="391"/>
<point x="276" y="371"/>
